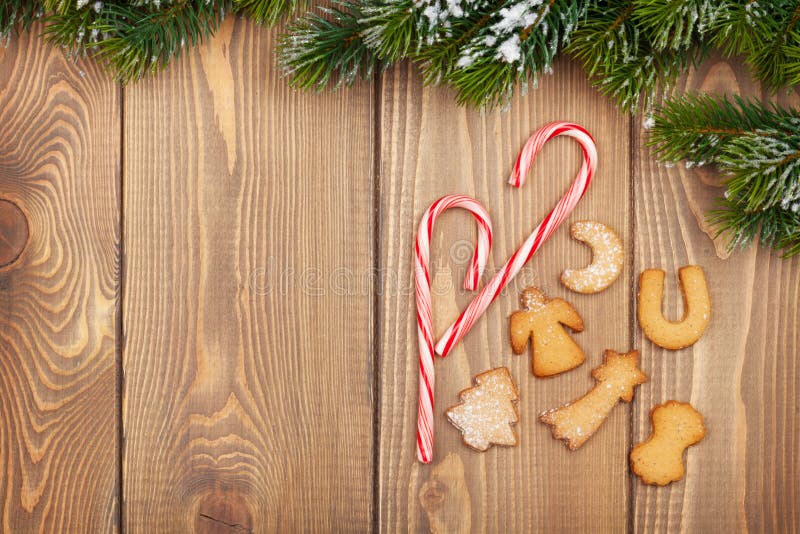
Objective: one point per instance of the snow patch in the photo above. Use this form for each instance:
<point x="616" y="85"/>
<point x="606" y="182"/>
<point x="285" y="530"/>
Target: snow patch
<point x="509" y="51"/>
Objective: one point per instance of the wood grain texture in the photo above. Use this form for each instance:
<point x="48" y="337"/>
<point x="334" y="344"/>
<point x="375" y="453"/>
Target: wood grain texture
<point x="742" y="375"/>
<point x="431" y="147"/>
<point x="248" y="394"/>
<point x="59" y="163"/>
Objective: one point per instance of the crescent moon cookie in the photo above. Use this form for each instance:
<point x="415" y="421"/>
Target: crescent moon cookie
<point x="608" y="255"/>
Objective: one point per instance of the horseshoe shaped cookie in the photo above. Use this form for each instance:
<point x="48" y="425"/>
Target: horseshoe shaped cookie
<point x="696" y="304"/>
<point x="608" y="255"/>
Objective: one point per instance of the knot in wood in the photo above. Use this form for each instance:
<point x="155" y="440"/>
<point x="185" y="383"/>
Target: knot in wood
<point x="434" y="495"/>
<point x="13" y="232"/>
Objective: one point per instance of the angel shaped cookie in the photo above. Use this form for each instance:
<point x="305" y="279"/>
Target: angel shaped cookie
<point x="541" y="318"/>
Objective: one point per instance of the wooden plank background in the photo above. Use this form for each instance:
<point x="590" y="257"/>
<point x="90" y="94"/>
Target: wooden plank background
<point x="210" y="326"/>
<point x="246" y="377"/>
<point x="59" y="417"/>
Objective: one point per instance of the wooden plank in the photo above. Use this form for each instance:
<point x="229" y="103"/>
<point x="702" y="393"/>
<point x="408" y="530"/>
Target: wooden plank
<point x="248" y="385"/>
<point x="59" y="279"/>
<point x="431" y="147"/>
<point x="742" y="375"/>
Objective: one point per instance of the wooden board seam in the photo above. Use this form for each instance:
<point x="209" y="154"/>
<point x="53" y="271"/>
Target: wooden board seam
<point x="377" y="126"/>
<point x="120" y="326"/>
<point x="631" y="265"/>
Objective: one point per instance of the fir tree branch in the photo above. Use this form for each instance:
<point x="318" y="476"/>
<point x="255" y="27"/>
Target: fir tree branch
<point x="16" y="15"/>
<point x="676" y="24"/>
<point x="73" y="30"/>
<point x="142" y="39"/>
<point x="518" y="45"/>
<point x="768" y="34"/>
<point x="390" y="28"/>
<point x="775" y="227"/>
<point x="439" y="52"/>
<point x="764" y="169"/>
<point x="268" y="11"/>
<point x="134" y="39"/>
<point x="757" y="146"/>
<point x="319" y="50"/>
<point x="620" y="60"/>
<point x="741" y="27"/>
<point x="697" y="126"/>
<point x="775" y="61"/>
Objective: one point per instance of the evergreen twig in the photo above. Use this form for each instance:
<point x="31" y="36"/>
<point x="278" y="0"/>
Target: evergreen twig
<point x="756" y="145"/>
<point x="511" y="49"/>
<point x="621" y="61"/>
<point x="16" y="15"/>
<point x="318" y="49"/>
<point x="776" y="60"/>
<point x="268" y="11"/>
<point x="134" y="39"/>
<point x="634" y="51"/>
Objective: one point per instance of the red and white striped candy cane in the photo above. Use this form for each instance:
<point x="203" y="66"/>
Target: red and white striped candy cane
<point x="548" y="225"/>
<point x="422" y="278"/>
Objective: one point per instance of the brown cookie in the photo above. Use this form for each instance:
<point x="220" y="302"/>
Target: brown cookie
<point x="676" y="426"/>
<point x="541" y="318"/>
<point x="487" y="412"/>
<point x="616" y="379"/>
<point x="696" y="304"/>
<point x="608" y="256"/>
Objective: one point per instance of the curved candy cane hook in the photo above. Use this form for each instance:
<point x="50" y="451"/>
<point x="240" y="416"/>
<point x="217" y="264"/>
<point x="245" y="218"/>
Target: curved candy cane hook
<point x="552" y="220"/>
<point x="424" y="315"/>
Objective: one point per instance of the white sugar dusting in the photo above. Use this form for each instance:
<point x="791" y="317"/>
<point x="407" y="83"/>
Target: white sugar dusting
<point x="608" y="257"/>
<point x="532" y="299"/>
<point x="487" y="411"/>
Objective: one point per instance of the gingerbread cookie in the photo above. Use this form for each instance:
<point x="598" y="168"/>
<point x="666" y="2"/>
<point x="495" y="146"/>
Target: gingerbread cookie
<point x="488" y="411"/>
<point x="616" y="379"/>
<point x="608" y="255"/>
<point x="696" y="303"/>
<point x="541" y="318"/>
<point x="676" y="426"/>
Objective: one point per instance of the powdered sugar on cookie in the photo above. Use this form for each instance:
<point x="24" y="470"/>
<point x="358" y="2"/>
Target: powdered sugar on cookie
<point x="487" y="411"/>
<point x="676" y="426"/>
<point x="608" y="256"/>
<point x="617" y="378"/>
<point x="541" y="319"/>
<point x="674" y="335"/>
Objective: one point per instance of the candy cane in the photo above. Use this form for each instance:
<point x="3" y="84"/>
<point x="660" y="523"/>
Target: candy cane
<point x="424" y="316"/>
<point x="552" y="220"/>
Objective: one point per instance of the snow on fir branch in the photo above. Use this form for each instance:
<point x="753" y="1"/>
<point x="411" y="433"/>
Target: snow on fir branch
<point x="133" y="38"/>
<point x="632" y="50"/>
<point x="486" y="49"/>
<point x="756" y="146"/>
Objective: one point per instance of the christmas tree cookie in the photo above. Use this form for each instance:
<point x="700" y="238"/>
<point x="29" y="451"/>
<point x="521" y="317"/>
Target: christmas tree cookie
<point x="487" y="412"/>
